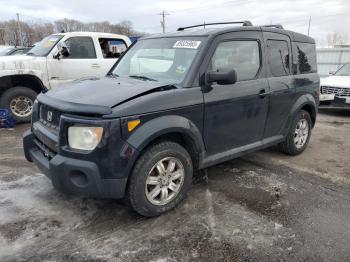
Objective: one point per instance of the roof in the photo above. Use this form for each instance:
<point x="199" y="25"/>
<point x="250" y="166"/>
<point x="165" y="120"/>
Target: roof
<point x="217" y="31"/>
<point x="98" y="34"/>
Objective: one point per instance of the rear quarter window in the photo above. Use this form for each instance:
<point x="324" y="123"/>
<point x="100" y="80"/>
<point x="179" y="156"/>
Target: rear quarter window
<point x="278" y="53"/>
<point x="305" y="57"/>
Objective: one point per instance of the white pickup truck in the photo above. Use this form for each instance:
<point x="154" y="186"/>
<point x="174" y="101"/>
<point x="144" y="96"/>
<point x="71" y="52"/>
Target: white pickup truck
<point x="57" y="59"/>
<point x="335" y="89"/>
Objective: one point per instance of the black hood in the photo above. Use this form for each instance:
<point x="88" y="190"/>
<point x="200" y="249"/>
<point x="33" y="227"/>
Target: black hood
<point x="106" y="91"/>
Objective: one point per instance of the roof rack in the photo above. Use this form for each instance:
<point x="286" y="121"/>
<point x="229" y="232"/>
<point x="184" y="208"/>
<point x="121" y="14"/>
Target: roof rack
<point x="244" y="23"/>
<point x="279" y="26"/>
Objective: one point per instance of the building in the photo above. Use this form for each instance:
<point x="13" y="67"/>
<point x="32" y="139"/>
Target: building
<point x="331" y="59"/>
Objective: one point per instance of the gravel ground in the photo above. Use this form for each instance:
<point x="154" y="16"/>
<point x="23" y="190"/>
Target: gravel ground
<point x="265" y="206"/>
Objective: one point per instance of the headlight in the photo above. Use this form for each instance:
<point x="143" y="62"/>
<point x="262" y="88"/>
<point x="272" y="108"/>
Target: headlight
<point x="84" y="137"/>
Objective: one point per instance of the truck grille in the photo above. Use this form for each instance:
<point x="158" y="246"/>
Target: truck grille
<point x="50" y="117"/>
<point x="338" y="91"/>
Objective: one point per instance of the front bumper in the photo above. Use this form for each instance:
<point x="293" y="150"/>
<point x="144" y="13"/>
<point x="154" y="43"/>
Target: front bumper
<point x="73" y="176"/>
<point x="332" y="101"/>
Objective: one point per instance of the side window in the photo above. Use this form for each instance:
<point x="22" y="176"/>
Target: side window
<point x="80" y="48"/>
<point x="278" y="53"/>
<point x="241" y="55"/>
<point x="306" y="58"/>
<point x="112" y="48"/>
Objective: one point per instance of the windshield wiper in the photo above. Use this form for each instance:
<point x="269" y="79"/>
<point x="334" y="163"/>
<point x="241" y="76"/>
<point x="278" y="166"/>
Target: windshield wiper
<point x="30" y="53"/>
<point x="143" y="78"/>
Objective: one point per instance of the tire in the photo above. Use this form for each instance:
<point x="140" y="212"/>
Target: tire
<point x="20" y="101"/>
<point x="139" y="192"/>
<point x="290" y="146"/>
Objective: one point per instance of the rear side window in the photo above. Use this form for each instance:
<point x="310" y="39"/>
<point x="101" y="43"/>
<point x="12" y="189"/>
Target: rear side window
<point x="112" y="48"/>
<point x="306" y="58"/>
<point x="80" y="48"/>
<point x="240" y="55"/>
<point x="278" y="52"/>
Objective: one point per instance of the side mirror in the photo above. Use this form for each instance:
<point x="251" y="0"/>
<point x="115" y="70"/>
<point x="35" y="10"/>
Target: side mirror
<point x="331" y="72"/>
<point x="63" y="51"/>
<point x="222" y="77"/>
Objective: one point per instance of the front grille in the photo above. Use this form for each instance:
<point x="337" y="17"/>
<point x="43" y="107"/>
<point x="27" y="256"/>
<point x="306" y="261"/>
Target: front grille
<point x="50" y="117"/>
<point x="338" y="91"/>
<point x="45" y="136"/>
<point x="47" y="152"/>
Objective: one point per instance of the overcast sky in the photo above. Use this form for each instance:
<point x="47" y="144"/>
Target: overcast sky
<point x="327" y="16"/>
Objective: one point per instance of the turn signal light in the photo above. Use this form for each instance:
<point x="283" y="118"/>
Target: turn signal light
<point x="133" y="124"/>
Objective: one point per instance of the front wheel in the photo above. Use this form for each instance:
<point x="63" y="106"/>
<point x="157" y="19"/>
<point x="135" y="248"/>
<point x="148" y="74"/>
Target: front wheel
<point x="20" y="100"/>
<point x="160" y="179"/>
<point x="299" y="134"/>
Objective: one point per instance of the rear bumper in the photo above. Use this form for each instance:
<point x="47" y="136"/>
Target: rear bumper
<point x="73" y="176"/>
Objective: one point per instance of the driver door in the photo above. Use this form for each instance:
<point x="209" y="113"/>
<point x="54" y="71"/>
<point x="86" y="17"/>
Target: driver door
<point x="81" y="62"/>
<point x="235" y="114"/>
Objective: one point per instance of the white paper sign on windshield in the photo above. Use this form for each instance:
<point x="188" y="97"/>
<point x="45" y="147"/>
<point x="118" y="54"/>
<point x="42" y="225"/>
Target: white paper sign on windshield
<point x="187" y="44"/>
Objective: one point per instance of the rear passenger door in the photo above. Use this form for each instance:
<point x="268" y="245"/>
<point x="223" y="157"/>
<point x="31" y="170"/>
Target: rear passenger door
<point x="235" y="114"/>
<point x="281" y="82"/>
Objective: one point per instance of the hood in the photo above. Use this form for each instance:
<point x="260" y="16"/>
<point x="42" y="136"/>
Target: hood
<point x="12" y="58"/>
<point x="21" y="62"/>
<point x="336" y="81"/>
<point x="107" y="91"/>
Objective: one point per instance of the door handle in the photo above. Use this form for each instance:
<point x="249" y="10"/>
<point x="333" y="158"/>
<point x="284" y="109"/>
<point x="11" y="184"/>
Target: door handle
<point x="95" y="65"/>
<point x="263" y="93"/>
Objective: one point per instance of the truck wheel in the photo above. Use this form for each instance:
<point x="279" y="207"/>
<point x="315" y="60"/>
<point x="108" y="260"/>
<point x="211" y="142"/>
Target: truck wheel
<point x="299" y="134"/>
<point x="20" y="101"/>
<point x="160" y="179"/>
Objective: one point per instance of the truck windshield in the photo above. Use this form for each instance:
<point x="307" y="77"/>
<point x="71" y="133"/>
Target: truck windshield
<point x="344" y="70"/>
<point x="162" y="59"/>
<point x="44" y="47"/>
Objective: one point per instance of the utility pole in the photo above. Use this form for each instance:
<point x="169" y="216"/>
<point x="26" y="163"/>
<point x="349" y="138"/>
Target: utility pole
<point x="162" y="23"/>
<point x="19" y="30"/>
<point x="308" y="29"/>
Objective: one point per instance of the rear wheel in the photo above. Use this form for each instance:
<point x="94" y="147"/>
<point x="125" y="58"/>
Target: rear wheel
<point x="299" y="134"/>
<point x="160" y="179"/>
<point x="20" y="100"/>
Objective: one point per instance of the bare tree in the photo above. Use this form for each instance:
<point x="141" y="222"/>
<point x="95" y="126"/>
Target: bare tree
<point x="12" y="34"/>
<point x="69" y="25"/>
<point x="337" y="38"/>
<point x="2" y="34"/>
<point x="34" y="32"/>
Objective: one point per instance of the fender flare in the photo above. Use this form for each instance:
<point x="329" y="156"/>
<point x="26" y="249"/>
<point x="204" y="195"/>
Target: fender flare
<point x="35" y="77"/>
<point x="163" y="125"/>
<point x="303" y="100"/>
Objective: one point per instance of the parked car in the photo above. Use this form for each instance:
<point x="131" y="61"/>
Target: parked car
<point x="175" y="103"/>
<point x="56" y="60"/>
<point x="5" y="49"/>
<point x="335" y="89"/>
<point x="14" y="51"/>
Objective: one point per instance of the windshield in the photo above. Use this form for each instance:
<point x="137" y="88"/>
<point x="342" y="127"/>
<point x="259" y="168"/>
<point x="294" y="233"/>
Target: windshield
<point x="163" y="59"/>
<point x="44" y="47"/>
<point x="344" y="70"/>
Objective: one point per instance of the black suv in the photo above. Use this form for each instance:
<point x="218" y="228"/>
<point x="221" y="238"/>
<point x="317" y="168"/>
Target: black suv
<point x="172" y="104"/>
